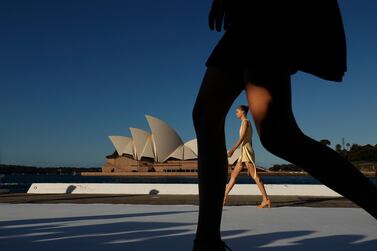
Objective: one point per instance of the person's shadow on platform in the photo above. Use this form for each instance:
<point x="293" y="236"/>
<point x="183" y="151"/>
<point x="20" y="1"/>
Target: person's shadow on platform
<point x="112" y="232"/>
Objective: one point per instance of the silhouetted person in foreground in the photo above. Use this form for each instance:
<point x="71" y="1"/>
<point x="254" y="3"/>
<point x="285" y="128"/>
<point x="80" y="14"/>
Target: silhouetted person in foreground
<point x="265" y="42"/>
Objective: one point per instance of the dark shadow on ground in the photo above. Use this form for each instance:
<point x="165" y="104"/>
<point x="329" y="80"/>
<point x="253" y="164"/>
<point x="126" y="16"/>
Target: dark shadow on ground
<point x="107" y="234"/>
<point x="14" y="223"/>
<point x="308" y="201"/>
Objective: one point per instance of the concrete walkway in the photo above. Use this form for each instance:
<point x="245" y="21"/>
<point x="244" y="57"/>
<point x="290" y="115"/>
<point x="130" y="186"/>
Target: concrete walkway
<point x="140" y="227"/>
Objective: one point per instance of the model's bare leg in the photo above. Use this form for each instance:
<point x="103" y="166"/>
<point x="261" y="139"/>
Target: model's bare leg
<point x="269" y="98"/>
<point x="258" y="181"/>
<point x="233" y="177"/>
<point x="217" y="93"/>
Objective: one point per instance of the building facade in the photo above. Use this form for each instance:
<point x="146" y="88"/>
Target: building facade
<point x="161" y="150"/>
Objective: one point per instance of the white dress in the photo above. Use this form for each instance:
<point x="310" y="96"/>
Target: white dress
<point x="246" y="152"/>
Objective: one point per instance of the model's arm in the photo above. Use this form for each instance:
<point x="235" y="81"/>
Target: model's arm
<point x="242" y="136"/>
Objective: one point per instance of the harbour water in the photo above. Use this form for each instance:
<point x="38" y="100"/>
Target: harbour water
<point x="18" y="183"/>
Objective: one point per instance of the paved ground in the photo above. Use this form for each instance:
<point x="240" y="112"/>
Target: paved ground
<point x="233" y="200"/>
<point x="140" y="227"/>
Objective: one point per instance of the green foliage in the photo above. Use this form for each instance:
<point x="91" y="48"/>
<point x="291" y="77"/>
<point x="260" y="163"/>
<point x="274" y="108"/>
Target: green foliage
<point x="325" y="142"/>
<point x="356" y="153"/>
<point x="338" y="148"/>
<point x="362" y="153"/>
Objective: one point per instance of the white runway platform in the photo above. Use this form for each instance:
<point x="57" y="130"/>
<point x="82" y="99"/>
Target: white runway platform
<point x="107" y="227"/>
<point x="178" y="189"/>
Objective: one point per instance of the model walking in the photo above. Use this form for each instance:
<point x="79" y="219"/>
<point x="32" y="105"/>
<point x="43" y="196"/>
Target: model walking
<point x="260" y="49"/>
<point x="247" y="156"/>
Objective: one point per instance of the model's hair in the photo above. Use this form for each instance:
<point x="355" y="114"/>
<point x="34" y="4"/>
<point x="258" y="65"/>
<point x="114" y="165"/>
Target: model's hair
<point x="244" y="108"/>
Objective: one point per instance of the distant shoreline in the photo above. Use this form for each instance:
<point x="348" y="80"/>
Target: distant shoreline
<point x="183" y="174"/>
<point x="97" y="171"/>
<point x="194" y="174"/>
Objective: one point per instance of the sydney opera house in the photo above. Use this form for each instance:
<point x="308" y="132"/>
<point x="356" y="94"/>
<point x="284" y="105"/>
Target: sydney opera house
<point x="160" y="150"/>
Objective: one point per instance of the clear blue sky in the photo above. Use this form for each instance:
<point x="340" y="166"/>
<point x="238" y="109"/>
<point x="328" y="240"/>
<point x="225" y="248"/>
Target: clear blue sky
<point x="74" y="72"/>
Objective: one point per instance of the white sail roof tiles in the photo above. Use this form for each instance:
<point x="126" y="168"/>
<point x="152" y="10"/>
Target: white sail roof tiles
<point x="130" y="149"/>
<point x="188" y="153"/>
<point x="140" y="138"/>
<point x="193" y="145"/>
<point x="120" y="143"/>
<point x="177" y="153"/>
<point x="166" y="139"/>
<point x="162" y="143"/>
<point x="148" y="148"/>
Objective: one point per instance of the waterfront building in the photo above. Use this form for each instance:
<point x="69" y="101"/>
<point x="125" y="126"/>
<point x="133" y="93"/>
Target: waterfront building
<point x="161" y="150"/>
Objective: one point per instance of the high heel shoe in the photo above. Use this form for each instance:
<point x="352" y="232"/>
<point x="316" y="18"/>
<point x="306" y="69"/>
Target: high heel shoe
<point x="267" y="203"/>
<point x="202" y="245"/>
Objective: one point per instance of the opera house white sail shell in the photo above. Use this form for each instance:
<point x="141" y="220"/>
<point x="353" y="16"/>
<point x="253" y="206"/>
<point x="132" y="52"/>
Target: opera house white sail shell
<point x="123" y="145"/>
<point x="166" y="140"/>
<point x="142" y="143"/>
<point x="162" y="144"/>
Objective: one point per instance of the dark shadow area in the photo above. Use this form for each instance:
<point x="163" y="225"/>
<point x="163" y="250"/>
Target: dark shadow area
<point x="14" y="223"/>
<point x="68" y="233"/>
<point x="334" y="242"/>
<point x="307" y="202"/>
<point x="154" y="192"/>
<point x="70" y="189"/>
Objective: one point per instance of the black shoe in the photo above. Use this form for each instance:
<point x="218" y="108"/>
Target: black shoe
<point x="210" y="246"/>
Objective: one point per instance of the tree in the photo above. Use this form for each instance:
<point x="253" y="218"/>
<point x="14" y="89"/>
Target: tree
<point x="325" y="142"/>
<point x="338" y="148"/>
<point x="348" y="145"/>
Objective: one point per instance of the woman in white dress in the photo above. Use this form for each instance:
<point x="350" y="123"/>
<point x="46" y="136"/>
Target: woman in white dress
<point x="247" y="156"/>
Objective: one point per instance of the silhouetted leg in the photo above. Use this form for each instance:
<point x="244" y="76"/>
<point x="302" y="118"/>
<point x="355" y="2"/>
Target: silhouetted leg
<point x="269" y="100"/>
<point x="217" y="93"/>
